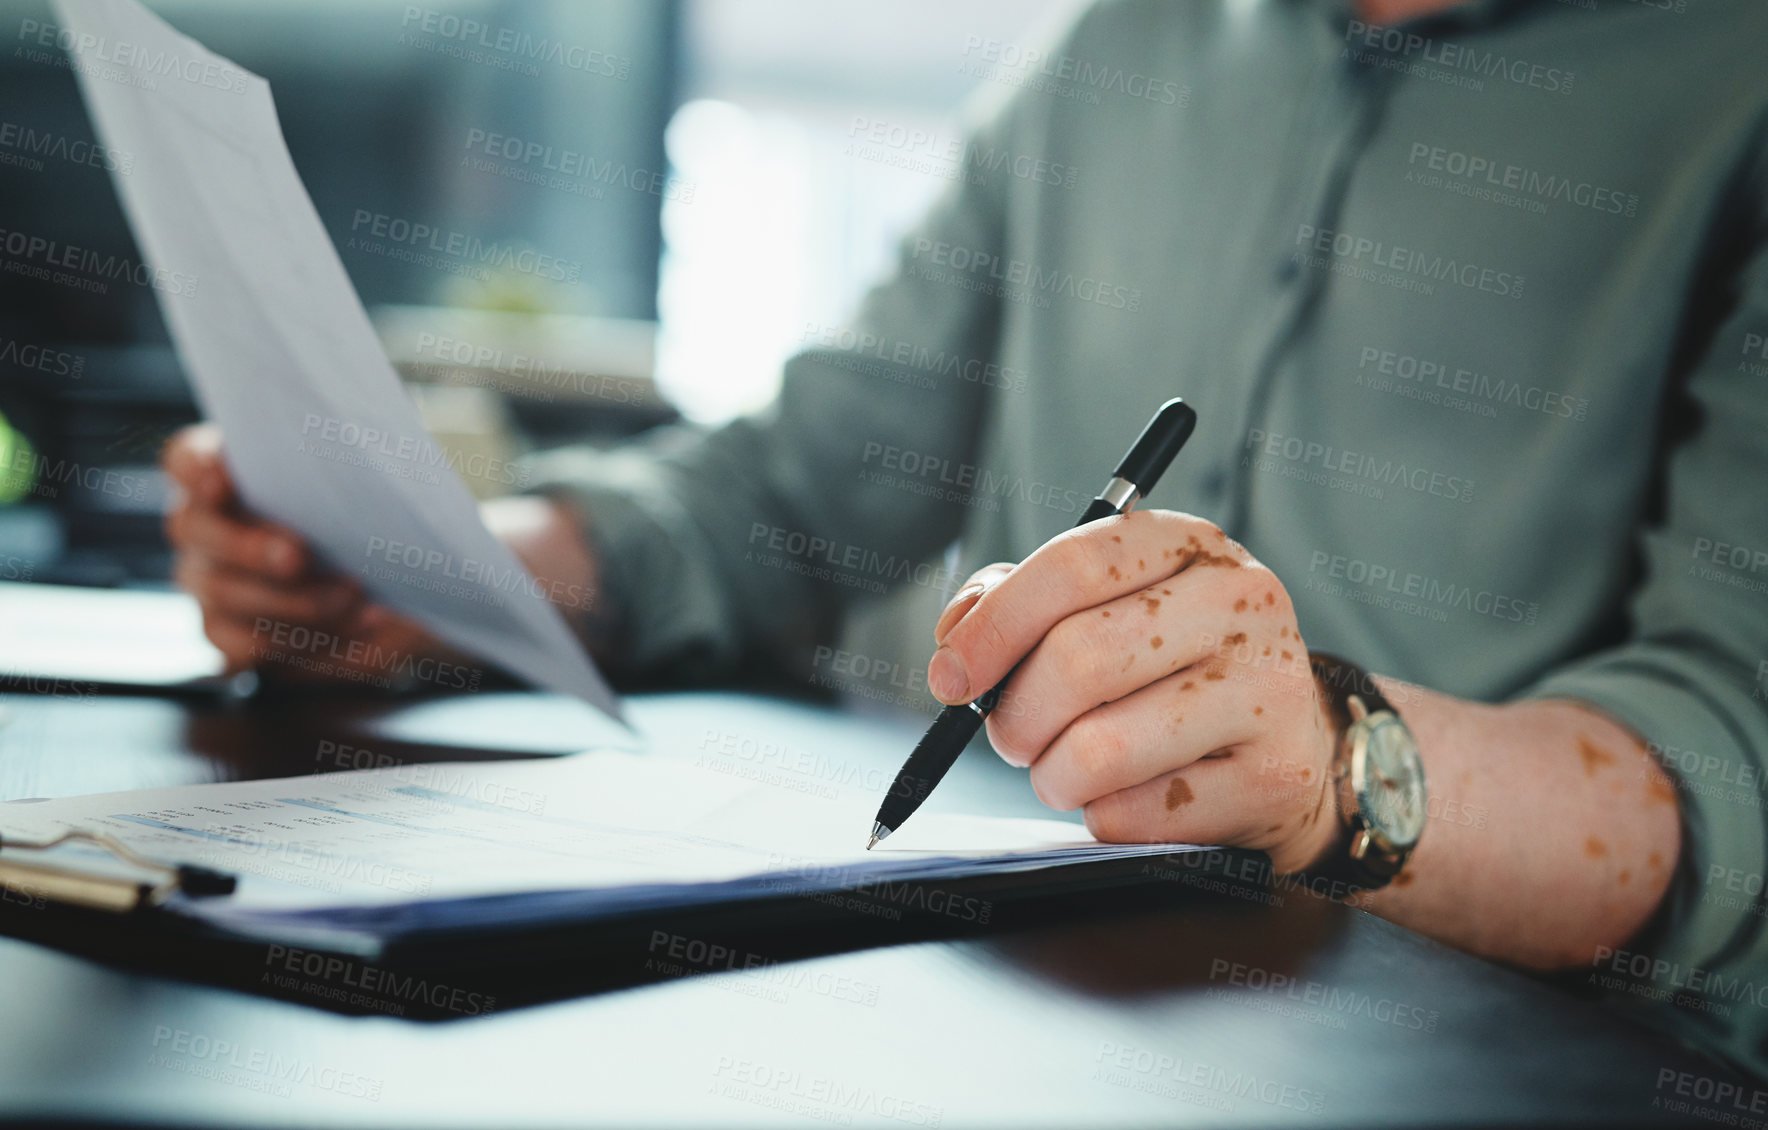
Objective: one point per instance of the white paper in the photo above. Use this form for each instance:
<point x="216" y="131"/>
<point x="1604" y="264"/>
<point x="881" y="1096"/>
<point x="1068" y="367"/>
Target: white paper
<point x="118" y="636"/>
<point x="319" y="433"/>
<point x="637" y="830"/>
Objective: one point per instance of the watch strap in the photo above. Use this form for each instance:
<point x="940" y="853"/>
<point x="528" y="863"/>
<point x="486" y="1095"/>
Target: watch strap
<point x="1338" y="679"/>
<point x="1348" y="874"/>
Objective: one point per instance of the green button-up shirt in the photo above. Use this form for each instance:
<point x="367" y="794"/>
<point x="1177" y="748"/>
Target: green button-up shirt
<point x="1474" y="315"/>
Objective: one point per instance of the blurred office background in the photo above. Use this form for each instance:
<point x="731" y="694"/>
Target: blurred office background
<point x="696" y="157"/>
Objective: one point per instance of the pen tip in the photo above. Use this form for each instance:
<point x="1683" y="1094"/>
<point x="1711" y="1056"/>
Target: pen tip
<point x="871" y="843"/>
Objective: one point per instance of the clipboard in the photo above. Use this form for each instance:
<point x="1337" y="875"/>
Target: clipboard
<point x="135" y="927"/>
<point x="524" y="901"/>
<point x="114" y="894"/>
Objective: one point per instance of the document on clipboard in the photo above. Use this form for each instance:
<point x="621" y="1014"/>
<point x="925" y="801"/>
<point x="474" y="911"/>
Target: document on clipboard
<point x="319" y="434"/>
<point x="342" y="860"/>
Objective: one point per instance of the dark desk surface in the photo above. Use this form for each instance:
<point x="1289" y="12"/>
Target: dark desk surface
<point x="1139" y="1019"/>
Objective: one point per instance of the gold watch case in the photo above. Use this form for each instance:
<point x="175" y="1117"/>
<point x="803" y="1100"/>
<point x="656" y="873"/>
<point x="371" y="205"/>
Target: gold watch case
<point x="1381" y="788"/>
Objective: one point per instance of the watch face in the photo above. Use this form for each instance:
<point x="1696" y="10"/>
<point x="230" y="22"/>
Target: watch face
<point x="1393" y="784"/>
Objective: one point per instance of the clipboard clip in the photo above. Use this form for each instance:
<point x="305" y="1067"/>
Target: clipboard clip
<point x="113" y="893"/>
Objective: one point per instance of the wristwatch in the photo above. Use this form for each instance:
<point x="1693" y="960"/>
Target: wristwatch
<point x="1379" y="777"/>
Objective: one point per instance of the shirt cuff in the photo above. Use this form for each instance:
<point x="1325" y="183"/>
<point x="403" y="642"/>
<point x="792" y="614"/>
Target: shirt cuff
<point x="655" y="580"/>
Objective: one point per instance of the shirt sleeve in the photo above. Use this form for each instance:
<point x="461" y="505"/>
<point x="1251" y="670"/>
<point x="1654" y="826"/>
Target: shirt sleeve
<point x="732" y="547"/>
<point x="1692" y="679"/>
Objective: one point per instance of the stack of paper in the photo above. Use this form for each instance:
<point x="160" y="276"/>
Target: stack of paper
<point x="123" y="637"/>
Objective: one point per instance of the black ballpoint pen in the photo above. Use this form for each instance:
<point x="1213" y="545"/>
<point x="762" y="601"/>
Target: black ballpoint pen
<point x="940" y="746"/>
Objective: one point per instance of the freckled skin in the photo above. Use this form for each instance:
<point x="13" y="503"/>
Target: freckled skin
<point x="1660" y="792"/>
<point x="1140" y="564"/>
<point x="1595" y="848"/>
<point x="1594" y="756"/>
<point x="1155" y="643"/>
<point x="1551" y="911"/>
<point x="1282" y="633"/>
<point x="1107" y="615"/>
<point x="1116" y="539"/>
<point x="1129" y="659"/>
<point x="1234" y="640"/>
<point x="1403" y="879"/>
<point x="1192" y="554"/>
<point x="1656" y="861"/>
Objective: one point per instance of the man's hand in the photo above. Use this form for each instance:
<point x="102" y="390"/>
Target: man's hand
<point x="258" y="582"/>
<point x="1165" y="688"/>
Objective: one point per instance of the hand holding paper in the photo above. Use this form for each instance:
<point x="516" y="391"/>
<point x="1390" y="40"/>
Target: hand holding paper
<point x="320" y="436"/>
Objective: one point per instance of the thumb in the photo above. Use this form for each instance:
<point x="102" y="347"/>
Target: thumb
<point x="194" y="458"/>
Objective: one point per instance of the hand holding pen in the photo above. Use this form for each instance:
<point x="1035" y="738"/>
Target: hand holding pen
<point x="1155" y="677"/>
<point x="939" y="748"/>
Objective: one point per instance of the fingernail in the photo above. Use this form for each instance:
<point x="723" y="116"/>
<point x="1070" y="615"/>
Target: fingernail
<point x="965" y="593"/>
<point x="954" y="611"/>
<point x="946" y="676"/>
